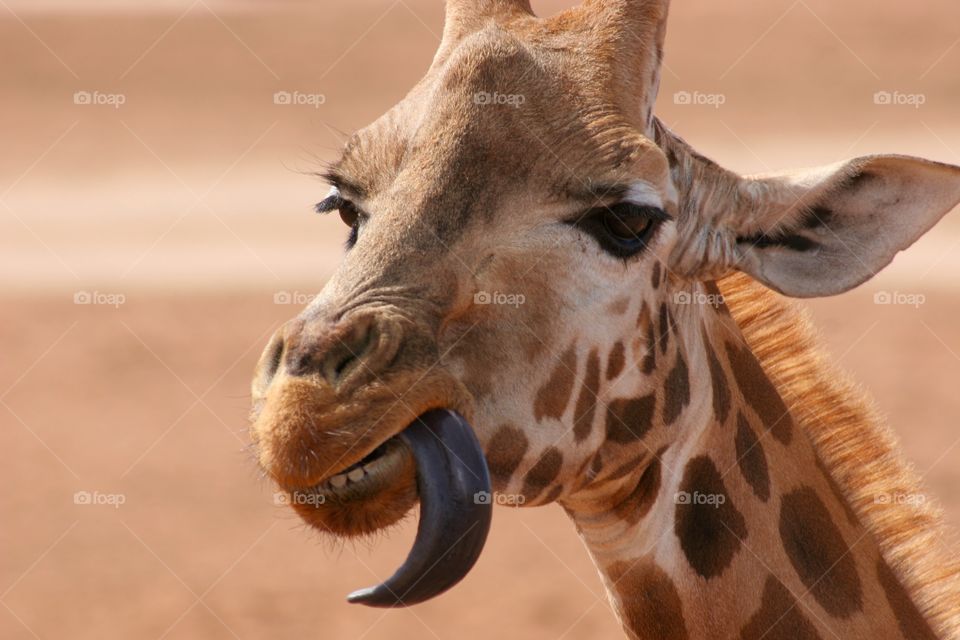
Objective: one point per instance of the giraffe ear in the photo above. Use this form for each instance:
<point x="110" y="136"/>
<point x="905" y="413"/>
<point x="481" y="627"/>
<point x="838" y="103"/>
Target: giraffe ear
<point x="825" y="231"/>
<point x="809" y="233"/>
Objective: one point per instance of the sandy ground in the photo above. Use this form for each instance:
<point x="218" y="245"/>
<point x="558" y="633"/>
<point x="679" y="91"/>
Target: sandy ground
<point x="190" y="201"/>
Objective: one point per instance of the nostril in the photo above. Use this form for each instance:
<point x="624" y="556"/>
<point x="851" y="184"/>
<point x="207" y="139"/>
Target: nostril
<point x="347" y="352"/>
<point x="337" y="362"/>
<point x="275" y="358"/>
<point x="268" y="364"/>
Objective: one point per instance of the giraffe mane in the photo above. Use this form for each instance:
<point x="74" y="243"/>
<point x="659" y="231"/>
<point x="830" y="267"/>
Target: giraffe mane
<point x="855" y="445"/>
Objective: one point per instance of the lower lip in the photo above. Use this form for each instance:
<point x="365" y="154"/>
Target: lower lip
<point x="377" y="473"/>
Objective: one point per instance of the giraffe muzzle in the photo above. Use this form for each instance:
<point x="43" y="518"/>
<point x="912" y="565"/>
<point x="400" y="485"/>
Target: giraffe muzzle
<point x="455" y="512"/>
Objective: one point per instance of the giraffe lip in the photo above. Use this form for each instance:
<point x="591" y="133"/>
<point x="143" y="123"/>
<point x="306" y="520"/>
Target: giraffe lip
<point x="455" y="511"/>
<point x="362" y="479"/>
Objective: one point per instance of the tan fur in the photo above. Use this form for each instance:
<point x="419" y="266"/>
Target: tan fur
<point x="858" y="449"/>
<point x="595" y="390"/>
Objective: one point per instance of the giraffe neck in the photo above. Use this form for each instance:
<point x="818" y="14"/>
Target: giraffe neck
<point x="721" y="521"/>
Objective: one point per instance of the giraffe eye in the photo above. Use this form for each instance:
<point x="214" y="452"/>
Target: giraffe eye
<point x="623" y="229"/>
<point x="624" y="226"/>
<point x="349" y="213"/>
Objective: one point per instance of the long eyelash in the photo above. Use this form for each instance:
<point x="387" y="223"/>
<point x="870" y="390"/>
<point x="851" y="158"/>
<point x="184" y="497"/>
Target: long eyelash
<point x="654" y="213"/>
<point x="328" y="204"/>
<point x="333" y="202"/>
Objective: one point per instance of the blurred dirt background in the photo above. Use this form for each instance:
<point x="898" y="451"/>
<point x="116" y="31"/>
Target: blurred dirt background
<point x="183" y="216"/>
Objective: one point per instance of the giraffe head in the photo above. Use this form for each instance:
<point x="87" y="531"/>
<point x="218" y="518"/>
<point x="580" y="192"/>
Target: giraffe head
<point x="520" y="230"/>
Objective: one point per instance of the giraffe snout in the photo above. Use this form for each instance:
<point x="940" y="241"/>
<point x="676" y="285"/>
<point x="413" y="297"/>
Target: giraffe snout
<point x="335" y="352"/>
<point x="340" y="355"/>
<point x="331" y="393"/>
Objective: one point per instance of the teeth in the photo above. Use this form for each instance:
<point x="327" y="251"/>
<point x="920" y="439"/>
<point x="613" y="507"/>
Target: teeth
<point x="356" y="474"/>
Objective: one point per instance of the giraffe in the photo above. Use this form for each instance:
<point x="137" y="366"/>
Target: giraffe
<point x="610" y="313"/>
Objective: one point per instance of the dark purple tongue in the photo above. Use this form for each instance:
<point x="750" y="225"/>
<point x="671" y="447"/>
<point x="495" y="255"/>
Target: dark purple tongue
<point x="455" y="512"/>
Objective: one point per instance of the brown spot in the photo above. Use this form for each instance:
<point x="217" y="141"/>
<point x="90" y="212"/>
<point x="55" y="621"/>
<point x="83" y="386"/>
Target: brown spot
<point x="819" y="554"/>
<point x="645" y="324"/>
<point x="542" y="473"/>
<point x="639" y="502"/>
<point x="505" y="451"/>
<point x="647" y="600"/>
<point x="616" y="361"/>
<point x="618" y="307"/>
<point x="707" y="523"/>
<point x="779" y="617"/>
<point x="676" y="391"/>
<point x="751" y="459"/>
<point x="655" y="278"/>
<point x="716" y="295"/>
<point x="760" y="393"/>
<point x="911" y="621"/>
<point x="587" y="401"/>
<point x="665" y="323"/>
<point x="552" y="398"/>
<point x="837" y="493"/>
<point x="628" y="420"/>
<point x="644" y="319"/>
<point x="718" y="381"/>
